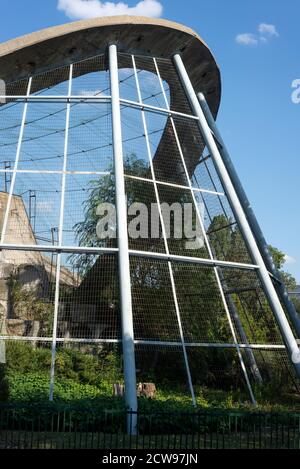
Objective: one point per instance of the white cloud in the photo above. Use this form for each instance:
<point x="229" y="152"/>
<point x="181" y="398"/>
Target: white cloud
<point x="84" y="9"/>
<point x="247" y="39"/>
<point x="290" y="260"/>
<point x="266" y="33"/>
<point x="268" y="30"/>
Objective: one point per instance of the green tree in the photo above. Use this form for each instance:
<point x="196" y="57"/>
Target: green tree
<point x="279" y="259"/>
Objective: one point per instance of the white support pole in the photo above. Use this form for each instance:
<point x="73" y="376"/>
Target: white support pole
<point x="124" y="266"/>
<point x="60" y="240"/>
<point x="260" y="239"/>
<point x="275" y="304"/>
<point x="154" y="343"/>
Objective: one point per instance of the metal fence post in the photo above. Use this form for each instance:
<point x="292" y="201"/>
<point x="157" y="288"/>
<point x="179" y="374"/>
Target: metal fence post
<point x="124" y="266"/>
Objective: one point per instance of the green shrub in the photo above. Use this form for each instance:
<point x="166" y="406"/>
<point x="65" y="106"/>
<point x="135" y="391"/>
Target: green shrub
<point x="35" y="387"/>
<point x="79" y="375"/>
<point x="86" y="376"/>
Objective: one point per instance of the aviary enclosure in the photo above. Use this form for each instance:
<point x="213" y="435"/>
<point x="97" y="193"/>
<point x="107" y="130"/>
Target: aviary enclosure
<point x="121" y="111"/>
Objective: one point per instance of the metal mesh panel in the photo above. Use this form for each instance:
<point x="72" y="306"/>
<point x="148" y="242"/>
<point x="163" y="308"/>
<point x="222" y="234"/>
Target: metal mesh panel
<point x="53" y="83"/>
<point x="144" y="233"/>
<point x="167" y="160"/>
<point x="127" y="80"/>
<point x="10" y="123"/>
<point x="151" y="91"/>
<point x="178" y="99"/>
<point x="153" y="302"/>
<point x="92" y="368"/>
<point x="84" y="194"/>
<point x="166" y="367"/>
<point x="279" y="381"/>
<point x="27" y="294"/>
<point x="90" y="139"/>
<point x="136" y="157"/>
<point x="43" y="139"/>
<point x="91" y="78"/>
<point x="184" y="233"/>
<point x="205" y="175"/>
<point x="16" y="88"/>
<point x="202" y="311"/>
<point x="90" y="309"/>
<point x="216" y="370"/>
<point x="34" y="209"/>
<point x="225" y="238"/>
<point x="258" y="321"/>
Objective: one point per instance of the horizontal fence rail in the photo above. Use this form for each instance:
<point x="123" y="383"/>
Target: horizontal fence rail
<point x="76" y="427"/>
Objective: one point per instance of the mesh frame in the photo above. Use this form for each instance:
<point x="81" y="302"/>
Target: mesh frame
<point x="167" y="296"/>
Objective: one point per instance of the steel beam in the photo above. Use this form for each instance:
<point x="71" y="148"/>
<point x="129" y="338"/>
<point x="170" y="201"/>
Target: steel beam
<point x="97" y="100"/>
<point x="122" y="230"/>
<point x="285" y="328"/>
<point x="60" y="239"/>
<point x="252" y="220"/>
<point x="157" y="343"/>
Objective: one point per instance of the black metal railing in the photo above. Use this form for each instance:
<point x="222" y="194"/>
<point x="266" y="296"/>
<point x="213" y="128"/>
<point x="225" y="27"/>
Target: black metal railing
<point x="67" y="427"/>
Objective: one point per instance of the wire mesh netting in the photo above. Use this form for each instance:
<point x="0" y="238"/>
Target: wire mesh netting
<point x="162" y="365"/>
<point x="216" y="370"/>
<point x="27" y="294"/>
<point x="247" y="297"/>
<point x="154" y="309"/>
<point x="89" y="308"/>
<point x="60" y="292"/>
<point x="278" y="375"/>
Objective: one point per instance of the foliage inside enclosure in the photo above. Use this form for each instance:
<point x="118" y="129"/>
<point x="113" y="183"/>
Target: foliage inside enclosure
<point x="88" y="379"/>
<point x="87" y="373"/>
<point x="79" y="375"/>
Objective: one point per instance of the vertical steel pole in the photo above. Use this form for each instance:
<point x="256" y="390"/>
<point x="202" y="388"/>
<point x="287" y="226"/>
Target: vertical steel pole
<point x="260" y="239"/>
<point x="60" y="239"/>
<point x="269" y="288"/>
<point x="124" y="266"/>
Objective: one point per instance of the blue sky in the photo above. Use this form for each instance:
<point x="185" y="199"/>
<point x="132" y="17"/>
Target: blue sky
<point x="258" y="119"/>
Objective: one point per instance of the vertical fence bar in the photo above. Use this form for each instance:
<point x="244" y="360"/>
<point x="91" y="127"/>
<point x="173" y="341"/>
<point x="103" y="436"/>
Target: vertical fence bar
<point x="60" y="239"/>
<point x="124" y="266"/>
<point x="270" y="291"/>
<point x="260" y="239"/>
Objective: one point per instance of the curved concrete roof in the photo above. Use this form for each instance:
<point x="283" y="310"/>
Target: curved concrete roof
<point x="60" y="45"/>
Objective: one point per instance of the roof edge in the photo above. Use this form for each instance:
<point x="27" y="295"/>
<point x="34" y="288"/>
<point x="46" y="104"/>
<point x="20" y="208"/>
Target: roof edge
<point x="36" y="37"/>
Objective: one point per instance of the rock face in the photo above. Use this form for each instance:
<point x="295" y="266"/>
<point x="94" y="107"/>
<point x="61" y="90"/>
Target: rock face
<point x="147" y="390"/>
